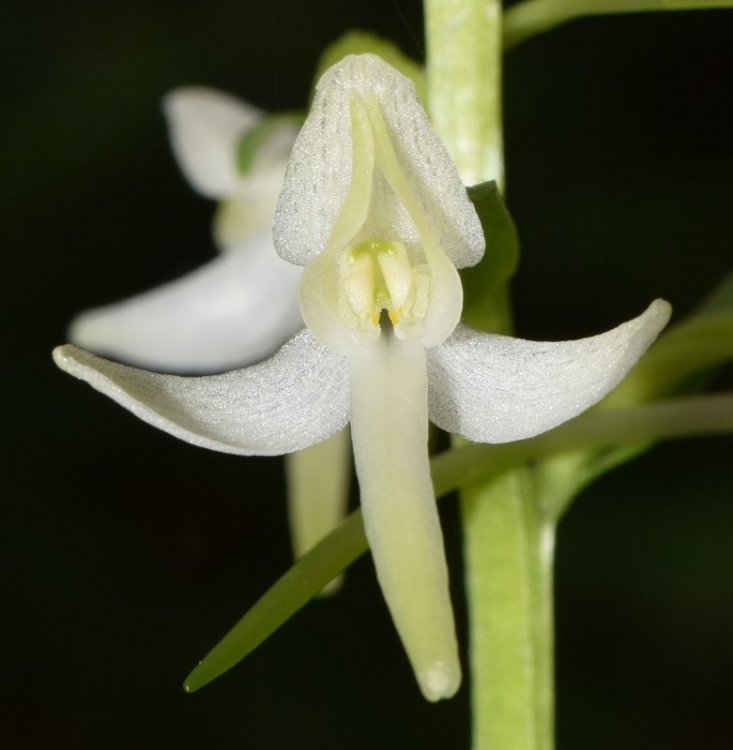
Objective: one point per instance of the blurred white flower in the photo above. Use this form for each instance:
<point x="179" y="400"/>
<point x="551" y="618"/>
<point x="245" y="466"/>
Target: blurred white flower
<point x="241" y="306"/>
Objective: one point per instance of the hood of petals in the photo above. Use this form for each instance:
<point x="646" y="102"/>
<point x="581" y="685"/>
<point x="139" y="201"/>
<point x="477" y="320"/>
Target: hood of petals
<point x="319" y="173"/>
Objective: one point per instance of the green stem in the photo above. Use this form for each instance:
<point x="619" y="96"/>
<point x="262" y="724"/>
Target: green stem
<point x="508" y="547"/>
<point x="531" y="17"/>
<point x="507" y="566"/>
<point x="464" y="49"/>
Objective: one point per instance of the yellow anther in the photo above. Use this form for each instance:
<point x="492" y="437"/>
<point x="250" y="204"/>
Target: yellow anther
<point x="377" y="275"/>
<point x="357" y="283"/>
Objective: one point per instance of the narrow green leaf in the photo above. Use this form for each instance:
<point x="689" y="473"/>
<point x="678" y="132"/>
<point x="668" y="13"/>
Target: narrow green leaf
<point x="527" y="19"/>
<point x="306" y="578"/>
<point x="450" y="470"/>
<point x="485" y="284"/>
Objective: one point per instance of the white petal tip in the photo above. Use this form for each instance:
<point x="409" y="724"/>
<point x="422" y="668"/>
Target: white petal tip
<point x="69" y="358"/>
<point x="648" y="326"/>
<point x="205" y="127"/>
<point x="439" y="681"/>
<point x="661" y="310"/>
<point x="60" y="357"/>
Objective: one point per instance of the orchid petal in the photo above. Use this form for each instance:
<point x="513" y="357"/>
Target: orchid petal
<point x="390" y="432"/>
<point x="318" y="493"/>
<point x="235" y="310"/>
<point x="446" y="292"/>
<point x="494" y="389"/>
<point x="319" y="174"/>
<point x="205" y="127"/>
<point x="295" y="399"/>
<point x="319" y="293"/>
<point x="386" y="222"/>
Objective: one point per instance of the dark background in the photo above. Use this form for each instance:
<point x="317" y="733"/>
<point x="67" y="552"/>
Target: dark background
<point x="128" y="554"/>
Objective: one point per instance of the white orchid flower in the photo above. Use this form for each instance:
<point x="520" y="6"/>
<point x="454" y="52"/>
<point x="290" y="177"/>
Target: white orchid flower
<point x="373" y="208"/>
<point x="242" y="305"/>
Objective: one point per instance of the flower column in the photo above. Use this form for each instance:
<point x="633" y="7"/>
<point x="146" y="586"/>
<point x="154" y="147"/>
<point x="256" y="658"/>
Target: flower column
<point x="508" y="541"/>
